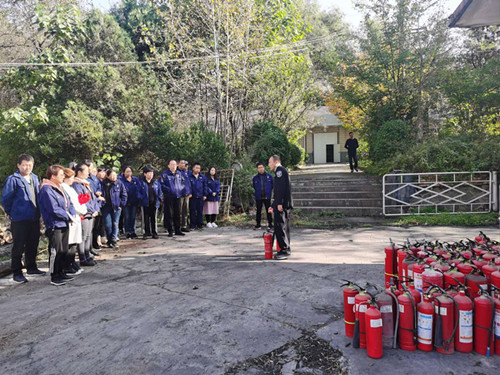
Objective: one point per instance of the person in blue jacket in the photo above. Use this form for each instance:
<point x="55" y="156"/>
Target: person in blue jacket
<point x="83" y="187"/>
<point x="186" y="195"/>
<point x="115" y="198"/>
<point x="98" y="231"/>
<point x="57" y="212"/>
<point x="173" y="189"/>
<point x="151" y="197"/>
<point x="211" y="208"/>
<point x="199" y="195"/>
<point x="20" y="202"/>
<point x="131" y="183"/>
<point x="263" y="188"/>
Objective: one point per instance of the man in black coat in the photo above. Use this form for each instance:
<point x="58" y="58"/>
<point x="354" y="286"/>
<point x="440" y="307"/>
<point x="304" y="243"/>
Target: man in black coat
<point x="352" y="144"/>
<point x="281" y="207"/>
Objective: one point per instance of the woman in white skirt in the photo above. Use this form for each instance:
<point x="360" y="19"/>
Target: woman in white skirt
<point x="75" y="226"/>
<point x="211" y="208"/>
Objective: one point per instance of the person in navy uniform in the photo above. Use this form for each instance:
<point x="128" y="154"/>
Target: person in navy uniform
<point x="20" y="202"/>
<point x="352" y="145"/>
<point x="263" y="188"/>
<point x="199" y="196"/>
<point x="281" y="206"/>
<point x="131" y="184"/>
<point x="151" y="197"/>
<point x="173" y="189"/>
<point x="115" y="198"/>
<point x="211" y="208"/>
<point x="186" y="195"/>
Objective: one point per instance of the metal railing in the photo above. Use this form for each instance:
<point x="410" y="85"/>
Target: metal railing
<point x="438" y="192"/>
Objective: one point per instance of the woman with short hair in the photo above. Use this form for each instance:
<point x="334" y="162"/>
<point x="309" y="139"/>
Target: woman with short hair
<point x="131" y="183"/>
<point x="115" y="198"/>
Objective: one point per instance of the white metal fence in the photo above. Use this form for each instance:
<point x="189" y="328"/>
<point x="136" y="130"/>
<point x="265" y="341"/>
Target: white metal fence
<point x="439" y="192"/>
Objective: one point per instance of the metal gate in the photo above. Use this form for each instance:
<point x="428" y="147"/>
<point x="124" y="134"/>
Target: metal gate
<point x="435" y="193"/>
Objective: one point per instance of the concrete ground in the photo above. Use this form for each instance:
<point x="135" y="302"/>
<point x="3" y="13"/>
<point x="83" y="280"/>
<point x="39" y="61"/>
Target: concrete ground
<point x="208" y="303"/>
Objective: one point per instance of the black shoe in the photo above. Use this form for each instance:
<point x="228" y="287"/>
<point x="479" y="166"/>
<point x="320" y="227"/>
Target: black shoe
<point x="19" y="279"/>
<point x="257" y="227"/>
<point x="270" y="228"/>
<point x="145" y="236"/>
<point x="122" y="232"/>
<point x="199" y="227"/>
<point x="128" y="236"/>
<point x="87" y="263"/>
<point x="155" y="236"/>
<point x="66" y="277"/>
<point x="133" y="236"/>
<point x="113" y="245"/>
<point x="97" y="248"/>
<point x="356" y="169"/>
<point x="180" y="234"/>
<point x="73" y="271"/>
<point x="187" y="230"/>
<point x="352" y="171"/>
<point x="36" y="272"/>
<point x="281" y="255"/>
<point x="57" y="282"/>
<point x="94" y="252"/>
<point x="170" y="234"/>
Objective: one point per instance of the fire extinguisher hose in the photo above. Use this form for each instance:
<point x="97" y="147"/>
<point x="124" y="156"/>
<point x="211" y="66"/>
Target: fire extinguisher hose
<point x="452" y="337"/>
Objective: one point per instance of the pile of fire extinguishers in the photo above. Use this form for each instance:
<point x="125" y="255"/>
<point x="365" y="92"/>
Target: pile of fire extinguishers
<point x="437" y="295"/>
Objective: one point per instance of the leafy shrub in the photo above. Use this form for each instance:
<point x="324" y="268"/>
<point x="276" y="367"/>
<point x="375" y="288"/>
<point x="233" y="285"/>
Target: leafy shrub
<point x="391" y="138"/>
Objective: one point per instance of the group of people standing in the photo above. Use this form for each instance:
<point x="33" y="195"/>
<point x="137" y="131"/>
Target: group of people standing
<point x="81" y="205"/>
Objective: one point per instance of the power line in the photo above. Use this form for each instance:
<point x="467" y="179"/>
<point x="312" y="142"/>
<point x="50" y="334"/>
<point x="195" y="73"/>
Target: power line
<point x="260" y="53"/>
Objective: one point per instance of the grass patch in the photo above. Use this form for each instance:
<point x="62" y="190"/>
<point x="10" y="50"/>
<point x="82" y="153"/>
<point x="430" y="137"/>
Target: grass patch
<point x="466" y="220"/>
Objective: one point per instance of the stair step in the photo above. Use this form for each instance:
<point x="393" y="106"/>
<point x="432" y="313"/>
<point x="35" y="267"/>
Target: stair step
<point x="337" y="202"/>
<point x="336" y="189"/>
<point x="347" y="211"/>
<point x="308" y="194"/>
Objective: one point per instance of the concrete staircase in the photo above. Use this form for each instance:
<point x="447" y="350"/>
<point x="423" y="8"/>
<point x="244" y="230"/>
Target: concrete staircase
<point x="334" y="190"/>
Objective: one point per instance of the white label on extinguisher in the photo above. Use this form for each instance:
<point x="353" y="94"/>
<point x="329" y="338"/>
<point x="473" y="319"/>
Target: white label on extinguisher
<point x="410" y="274"/>
<point x="444" y="311"/>
<point x="350" y="300"/>
<point x="376" y="323"/>
<point x="497" y="324"/>
<point x="386" y="309"/>
<point x="402" y="309"/>
<point x="425" y="328"/>
<point x="418" y="282"/>
<point x="465" y="326"/>
<point x="363" y="308"/>
<point x="484" y="287"/>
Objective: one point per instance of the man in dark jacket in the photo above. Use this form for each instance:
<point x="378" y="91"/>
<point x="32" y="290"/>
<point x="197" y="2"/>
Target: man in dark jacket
<point x="282" y="206"/>
<point x="352" y="144"/>
<point x="199" y="192"/>
<point x="20" y="202"/>
<point x="173" y="188"/>
<point x="186" y="195"/>
<point x="263" y="188"/>
<point x="151" y="196"/>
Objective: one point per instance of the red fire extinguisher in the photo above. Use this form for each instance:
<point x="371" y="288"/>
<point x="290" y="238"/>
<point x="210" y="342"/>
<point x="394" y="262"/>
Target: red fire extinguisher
<point x="487" y="270"/>
<point x="464" y="316"/>
<point x="349" y="291"/>
<point x="453" y="277"/>
<point x="446" y="327"/>
<point x="497" y="321"/>
<point x="418" y="270"/>
<point x="402" y="254"/>
<point x="475" y="282"/>
<point x="407" y="330"/>
<point x="432" y="277"/>
<point x="373" y="323"/>
<point x="361" y="305"/>
<point x="425" y="324"/>
<point x="268" y="245"/>
<point x="484" y="320"/>
<point x="391" y="265"/>
<point x="386" y="303"/>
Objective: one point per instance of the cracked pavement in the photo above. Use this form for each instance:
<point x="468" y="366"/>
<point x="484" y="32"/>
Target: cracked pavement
<point x="206" y="302"/>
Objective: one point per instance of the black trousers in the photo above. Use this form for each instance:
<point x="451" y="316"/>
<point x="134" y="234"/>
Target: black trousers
<point x="98" y="230"/>
<point x="149" y="221"/>
<point x="58" y="250"/>
<point x="26" y="236"/>
<point x="267" y="204"/>
<point x="355" y="159"/>
<point x="282" y="228"/>
<point x="172" y="214"/>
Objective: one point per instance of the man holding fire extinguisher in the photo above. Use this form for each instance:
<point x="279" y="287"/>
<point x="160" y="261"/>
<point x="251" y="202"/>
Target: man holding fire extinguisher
<point x="281" y="207"/>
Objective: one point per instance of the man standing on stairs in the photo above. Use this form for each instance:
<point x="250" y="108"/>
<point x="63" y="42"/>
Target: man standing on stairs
<point x="352" y="144"/>
<point x="281" y="207"/>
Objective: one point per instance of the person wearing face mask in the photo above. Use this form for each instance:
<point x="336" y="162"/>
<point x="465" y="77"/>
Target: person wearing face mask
<point x="57" y="212"/>
<point x="20" y="202"/>
<point x="115" y="198"/>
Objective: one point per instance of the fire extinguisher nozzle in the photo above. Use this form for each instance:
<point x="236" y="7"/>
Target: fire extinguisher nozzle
<point x="355" y="337"/>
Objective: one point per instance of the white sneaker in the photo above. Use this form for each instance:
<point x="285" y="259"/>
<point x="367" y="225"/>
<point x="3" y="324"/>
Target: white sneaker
<point x="214" y="225"/>
<point x="209" y="225"/>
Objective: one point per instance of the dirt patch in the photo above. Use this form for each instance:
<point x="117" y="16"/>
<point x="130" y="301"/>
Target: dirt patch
<point x="308" y="354"/>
